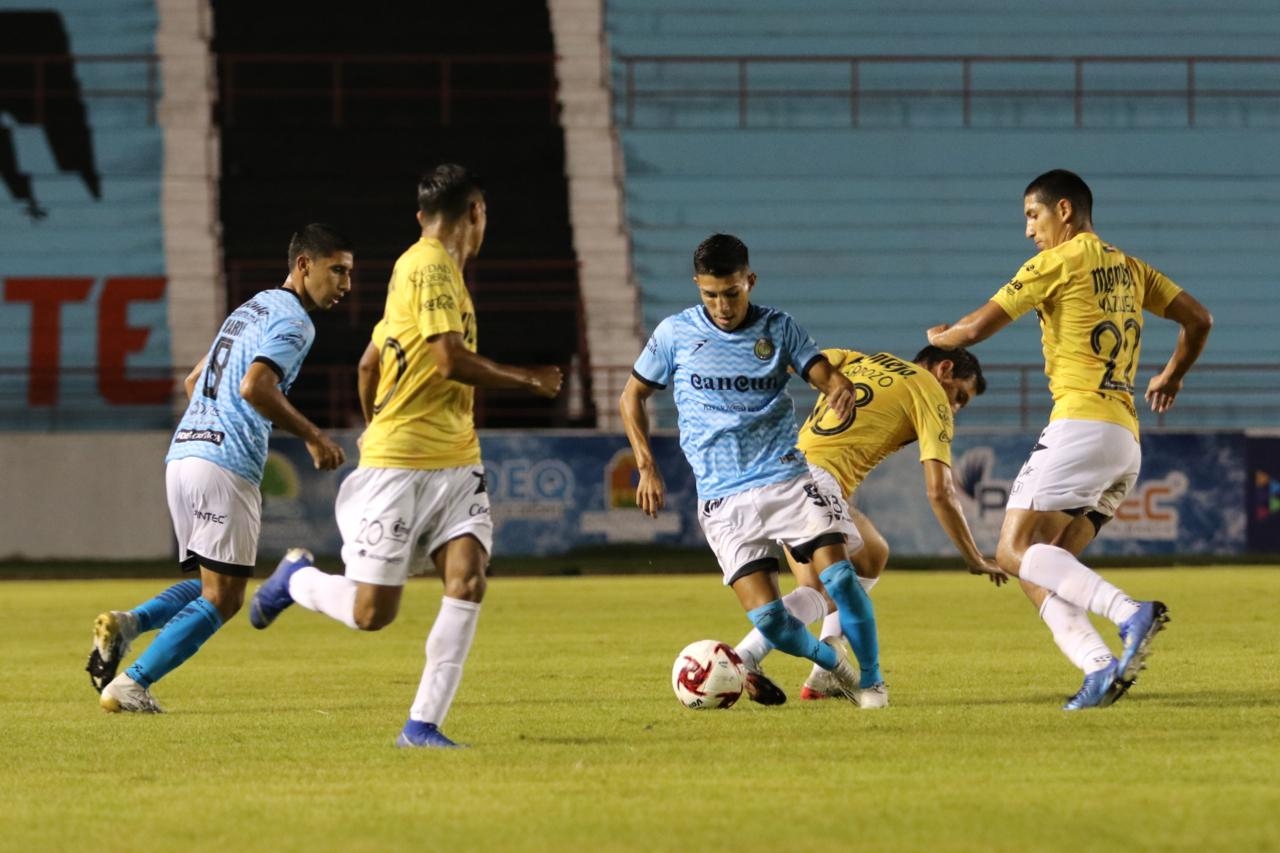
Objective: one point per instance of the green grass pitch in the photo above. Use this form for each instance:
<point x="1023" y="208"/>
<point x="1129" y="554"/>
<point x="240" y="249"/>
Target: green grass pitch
<point x="281" y="740"/>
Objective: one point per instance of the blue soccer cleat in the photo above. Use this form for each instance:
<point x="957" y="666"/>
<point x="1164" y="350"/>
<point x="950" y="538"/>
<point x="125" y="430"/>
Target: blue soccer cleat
<point x="273" y="597"/>
<point x="417" y="734"/>
<point x="1136" y="633"/>
<point x="1099" y="690"/>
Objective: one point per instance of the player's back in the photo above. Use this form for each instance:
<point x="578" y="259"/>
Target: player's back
<point x="221" y="426"/>
<point x="421" y="419"/>
<point x="1090" y="297"/>
<point x="896" y="402"/>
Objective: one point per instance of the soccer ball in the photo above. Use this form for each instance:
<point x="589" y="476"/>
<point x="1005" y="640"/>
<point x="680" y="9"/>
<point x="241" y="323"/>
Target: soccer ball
<point x="708" y="674"/>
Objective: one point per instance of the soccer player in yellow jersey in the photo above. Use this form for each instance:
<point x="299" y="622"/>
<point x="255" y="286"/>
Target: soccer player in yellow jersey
<point x="897" y="403"/>
<point x="1089" y="296"/>
<point x="420" y="478"/>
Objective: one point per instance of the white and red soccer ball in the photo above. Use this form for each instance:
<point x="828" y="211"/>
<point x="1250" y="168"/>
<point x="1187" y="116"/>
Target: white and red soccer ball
<point x="708" y="674"/>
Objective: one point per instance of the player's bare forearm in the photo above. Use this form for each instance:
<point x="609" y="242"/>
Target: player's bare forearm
<point x="970" y="329"/>
<point x="368" y="373"/>
<point x="834" y="384"/>
<point x="946" y="508"/>
<point x="1196" y="323"/>
<point x="193" y="377"/>
<point x="651" y="490"/>
<point x="260" y="388"/>
<point x="459" y="364"/>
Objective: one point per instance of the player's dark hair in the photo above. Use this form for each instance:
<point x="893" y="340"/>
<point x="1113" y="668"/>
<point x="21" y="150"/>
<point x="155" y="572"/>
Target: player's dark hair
<point x="720" y="255"/>
<point x="1058" y="184"/>
<point x="447" y="191"/>
<point x="316" y="240"/>
<point x="964" y="364"/>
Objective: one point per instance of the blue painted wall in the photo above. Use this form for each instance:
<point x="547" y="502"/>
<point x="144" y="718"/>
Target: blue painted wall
<point x="91" y="316"/>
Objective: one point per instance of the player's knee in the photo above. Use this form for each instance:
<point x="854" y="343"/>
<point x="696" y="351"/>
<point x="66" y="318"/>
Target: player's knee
<point x="227" y="601"/>
<point x="1009" y="556"/>
<point x="871" y="560"/>
<point x="470" y="587"/>
<point x="374" y="618"/>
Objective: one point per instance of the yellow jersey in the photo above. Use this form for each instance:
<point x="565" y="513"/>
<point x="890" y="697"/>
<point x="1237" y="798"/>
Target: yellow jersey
<point x="896" y="402"/>
<point x="1089" y="296"/>
<point x="421" y="419"/>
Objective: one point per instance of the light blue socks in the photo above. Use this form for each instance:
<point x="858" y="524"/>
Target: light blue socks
<point x="159" y="610"/>
<point x="787" y="633"/>
<point x="181" y="638"/>
<point x="857" y="619"/>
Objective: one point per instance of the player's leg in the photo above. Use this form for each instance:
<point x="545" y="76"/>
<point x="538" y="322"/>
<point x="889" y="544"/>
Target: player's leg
<point x="115" y="630"/>
<point x="380" y="519"/>
<point x="218" y="514"/>
<point x="1077" y="467"/>
<point x="461" y="564"/>
<point x="459" y="546"/>
<point x="807" y="604"/>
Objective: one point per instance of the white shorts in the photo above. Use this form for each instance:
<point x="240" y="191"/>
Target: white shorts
<point x="1078" y="466"/>
<point x="830" y="489"/>
<point x="393" y="519"/>
<point x="745" y="529"/>
<point x="217" y="516"/>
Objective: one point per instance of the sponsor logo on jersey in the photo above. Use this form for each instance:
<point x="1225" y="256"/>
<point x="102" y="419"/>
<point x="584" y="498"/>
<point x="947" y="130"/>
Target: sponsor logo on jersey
<point x="733" y="383"/>
<point x="212" y="436"/>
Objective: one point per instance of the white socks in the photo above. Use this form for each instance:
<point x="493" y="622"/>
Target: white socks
<point x="447" y="648"/>
<point x="805" y="603"/>
<point x="1075" y="634"/>
<point x="1058" y="571"/>
<point x="867" y="583"/>
<point x="332" y="595"/>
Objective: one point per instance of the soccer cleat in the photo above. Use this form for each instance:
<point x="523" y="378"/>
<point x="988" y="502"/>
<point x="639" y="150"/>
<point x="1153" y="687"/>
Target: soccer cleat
<point x="875" y="696"/>
<point x="125" y="694"/>
<point x="417" y="734"/>
<point x="113" y="632"/>
<point x="1137" y="633"/>
<point x="1100" y="689"/>
<point x="845" y="680"/>
<point x="819" y="685"/>
<point x="761" y="689"/>
<point x="273" y="597"/>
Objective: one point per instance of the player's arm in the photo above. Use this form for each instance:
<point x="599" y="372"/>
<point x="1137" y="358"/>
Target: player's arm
<point x="459" y="364"/>
<point x="193" y="377"/>
<point x="839" y="390"/>
<point x="970" y="329"/>
<point x="1196" y="321"/>
<point x="941" y="490"/>
<point x="260" y="388"/>
<point x="368" y="372"/>
<point x="651" y="491"/>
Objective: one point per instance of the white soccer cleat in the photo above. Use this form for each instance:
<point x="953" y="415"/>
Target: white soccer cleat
<point x="124" y="694"/>
<point x="113" y="633"/>
<point x="875" y="696"/>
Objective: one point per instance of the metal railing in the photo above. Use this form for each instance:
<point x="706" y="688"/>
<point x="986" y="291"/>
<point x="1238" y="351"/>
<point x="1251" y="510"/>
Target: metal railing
<point x="51" y="78"/>
<point x="1216" y="396"/>
<point x="440" y="84"/>
<point x="654" y="78"/>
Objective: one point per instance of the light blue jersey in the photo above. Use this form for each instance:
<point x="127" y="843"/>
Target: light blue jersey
<point x="737" y="422"/>
<point x="219" y="425"/>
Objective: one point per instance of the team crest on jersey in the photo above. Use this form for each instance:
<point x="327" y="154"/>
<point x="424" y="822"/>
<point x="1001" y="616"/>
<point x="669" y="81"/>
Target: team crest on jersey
<point x="764" y="349"/>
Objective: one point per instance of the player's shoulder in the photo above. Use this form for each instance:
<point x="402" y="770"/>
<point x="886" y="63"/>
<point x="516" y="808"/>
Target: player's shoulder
<point x="278" y="303"/>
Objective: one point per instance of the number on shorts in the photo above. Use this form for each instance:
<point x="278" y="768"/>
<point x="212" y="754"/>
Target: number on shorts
<point x="862" y="395"/>
<point x="213" y="371"/>
<point x="1120" y="346"/>
<point x="391" y="345"/>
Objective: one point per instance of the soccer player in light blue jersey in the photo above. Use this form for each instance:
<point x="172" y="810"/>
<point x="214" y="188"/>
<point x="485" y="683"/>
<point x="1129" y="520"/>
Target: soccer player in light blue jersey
<point x="214" y="468"/>
<point x="728" y="363"/>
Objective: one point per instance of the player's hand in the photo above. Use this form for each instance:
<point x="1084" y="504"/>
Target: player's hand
<point x="1161" y="391"/>
<point x="325" y="453"/>
<point x="547" y="380"/>
<point x="841" y="400"/>
<point x="651" y="493"/>
<point x="935" y="334"/>
<point x="993" y="572"/>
